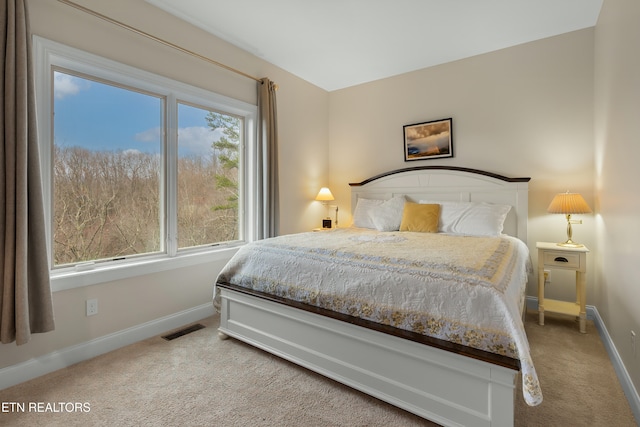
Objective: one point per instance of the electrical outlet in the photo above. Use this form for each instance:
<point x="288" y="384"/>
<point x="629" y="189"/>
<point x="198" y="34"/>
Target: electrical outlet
<point x="92" y="307"/>
<point x="633" y="343"/>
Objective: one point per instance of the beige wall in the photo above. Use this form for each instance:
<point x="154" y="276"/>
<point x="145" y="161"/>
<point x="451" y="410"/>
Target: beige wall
<point x="617" y="148"/>
<point x="521" y="111"/>
<point x="303" y="125"/>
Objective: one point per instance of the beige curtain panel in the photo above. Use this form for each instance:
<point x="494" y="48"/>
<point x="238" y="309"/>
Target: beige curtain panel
<point x="268" y="194"/>
<point x="25" y="293"/>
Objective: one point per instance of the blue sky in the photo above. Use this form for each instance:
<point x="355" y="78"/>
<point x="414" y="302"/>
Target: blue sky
<point x="100" y="117"/>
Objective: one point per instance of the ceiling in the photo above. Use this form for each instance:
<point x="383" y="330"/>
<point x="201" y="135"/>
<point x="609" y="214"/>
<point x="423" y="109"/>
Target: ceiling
<point x="340" y="43"/>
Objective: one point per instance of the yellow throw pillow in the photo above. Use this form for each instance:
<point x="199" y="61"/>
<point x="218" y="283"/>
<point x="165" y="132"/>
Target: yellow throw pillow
<point x="420" y="217"/>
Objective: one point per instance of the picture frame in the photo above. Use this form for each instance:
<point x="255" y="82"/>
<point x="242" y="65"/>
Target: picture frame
<point x="428" y="140"/>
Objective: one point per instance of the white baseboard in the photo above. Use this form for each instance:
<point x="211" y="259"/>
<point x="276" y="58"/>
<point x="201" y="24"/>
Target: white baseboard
<point x="623" y="376"/>
<point x="59" y="359"/>
<point x="621" y="371"/>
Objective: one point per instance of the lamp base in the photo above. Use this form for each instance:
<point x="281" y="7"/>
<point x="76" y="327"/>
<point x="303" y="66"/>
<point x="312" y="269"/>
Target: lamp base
<point x="570" y="244"/>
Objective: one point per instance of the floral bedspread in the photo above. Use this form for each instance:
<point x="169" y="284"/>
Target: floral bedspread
<point x="463" y="289"/>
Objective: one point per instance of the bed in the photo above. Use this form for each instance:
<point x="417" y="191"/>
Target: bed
<point x="391" y="330"/>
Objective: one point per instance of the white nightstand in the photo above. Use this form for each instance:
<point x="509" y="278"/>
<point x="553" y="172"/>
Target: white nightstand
<point x="553" y="256"/>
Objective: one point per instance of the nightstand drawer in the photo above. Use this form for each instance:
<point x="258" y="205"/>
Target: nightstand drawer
<point x="562" y="259"/>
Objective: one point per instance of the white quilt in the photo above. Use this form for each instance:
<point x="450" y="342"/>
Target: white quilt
<point x="462" y="289"/>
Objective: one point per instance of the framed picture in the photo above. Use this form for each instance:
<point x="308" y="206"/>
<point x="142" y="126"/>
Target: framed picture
<point x="428" y="140"/>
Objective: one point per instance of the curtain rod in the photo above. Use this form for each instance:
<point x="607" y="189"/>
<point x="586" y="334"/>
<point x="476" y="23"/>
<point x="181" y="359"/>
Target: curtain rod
<point x="157" y="39"/>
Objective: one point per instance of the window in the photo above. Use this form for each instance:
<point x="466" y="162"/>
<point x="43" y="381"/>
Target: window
<point x="107" y="158"/>
<point x="137" y="167"/>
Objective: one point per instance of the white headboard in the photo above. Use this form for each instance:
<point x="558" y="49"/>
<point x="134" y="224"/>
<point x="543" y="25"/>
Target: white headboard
<point x="453" y="184"/>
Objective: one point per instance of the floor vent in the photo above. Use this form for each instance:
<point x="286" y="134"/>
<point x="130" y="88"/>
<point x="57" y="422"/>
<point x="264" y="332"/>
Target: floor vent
<point x="181" y="332"/>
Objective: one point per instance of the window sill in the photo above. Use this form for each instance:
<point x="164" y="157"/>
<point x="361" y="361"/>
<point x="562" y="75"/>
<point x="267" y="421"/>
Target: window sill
<point x="71" y="279"/>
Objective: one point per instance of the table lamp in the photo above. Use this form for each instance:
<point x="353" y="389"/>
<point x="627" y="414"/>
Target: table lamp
<point x="324" y="196"/>
<point x="569" y="204"/>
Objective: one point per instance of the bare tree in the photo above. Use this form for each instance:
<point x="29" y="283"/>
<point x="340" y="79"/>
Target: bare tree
<point x="106" y="204"/>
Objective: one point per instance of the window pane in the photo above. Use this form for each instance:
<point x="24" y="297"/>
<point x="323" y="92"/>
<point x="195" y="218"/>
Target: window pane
<point x="208" y="153"/>
<point x="107" y="166"/>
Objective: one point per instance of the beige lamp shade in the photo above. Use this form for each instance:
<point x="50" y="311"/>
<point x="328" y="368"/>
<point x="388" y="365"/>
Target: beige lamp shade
<point x="324" y="195"/>
<point x="568" y="203"/>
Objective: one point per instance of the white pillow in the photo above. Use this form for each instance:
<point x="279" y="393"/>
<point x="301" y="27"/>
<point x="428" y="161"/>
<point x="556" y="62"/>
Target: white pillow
<point x="361" y="214"/>
<point x="469" y="218"/>
<point x="388" y="215"/>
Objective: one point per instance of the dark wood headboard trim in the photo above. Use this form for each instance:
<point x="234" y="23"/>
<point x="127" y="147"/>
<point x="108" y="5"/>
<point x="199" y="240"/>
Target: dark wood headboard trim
<point x="452" y="168"/>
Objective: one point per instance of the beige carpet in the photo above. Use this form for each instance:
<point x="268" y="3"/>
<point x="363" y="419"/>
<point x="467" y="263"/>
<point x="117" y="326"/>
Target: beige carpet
<point x="197" y="380"/>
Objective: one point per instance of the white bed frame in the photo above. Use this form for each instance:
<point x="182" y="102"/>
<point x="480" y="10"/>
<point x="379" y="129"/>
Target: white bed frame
<point x="445" y="387"/>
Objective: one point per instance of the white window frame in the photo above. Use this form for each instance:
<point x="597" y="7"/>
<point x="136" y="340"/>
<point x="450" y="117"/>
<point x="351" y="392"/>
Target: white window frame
<point x="49" y="55"/>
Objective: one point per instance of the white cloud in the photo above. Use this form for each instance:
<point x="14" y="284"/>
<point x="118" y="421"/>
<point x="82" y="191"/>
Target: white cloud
<point x="197" y="139"/>
<point x="65" y="85"/>
<point x="149" y="135"/>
